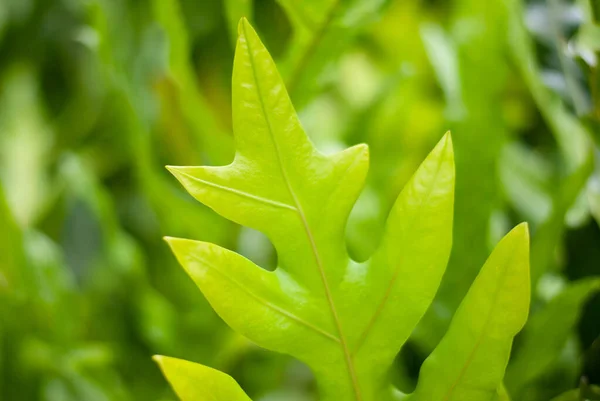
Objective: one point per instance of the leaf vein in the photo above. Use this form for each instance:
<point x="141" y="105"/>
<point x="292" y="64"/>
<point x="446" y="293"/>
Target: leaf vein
<point x="268" y="304"/>
<point x="242" y="193"/>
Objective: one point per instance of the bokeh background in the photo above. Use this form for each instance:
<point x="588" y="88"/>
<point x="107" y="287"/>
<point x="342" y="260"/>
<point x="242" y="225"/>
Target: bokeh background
<point x="96" y="96"/>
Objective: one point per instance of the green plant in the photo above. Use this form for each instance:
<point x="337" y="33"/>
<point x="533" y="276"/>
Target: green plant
<point x="346" y="320"/>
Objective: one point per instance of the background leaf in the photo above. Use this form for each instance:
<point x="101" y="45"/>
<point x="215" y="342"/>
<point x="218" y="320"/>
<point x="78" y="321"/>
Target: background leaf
<point x="547" y="333"/>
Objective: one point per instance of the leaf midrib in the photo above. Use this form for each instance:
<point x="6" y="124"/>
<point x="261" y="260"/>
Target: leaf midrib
<point x="301" y="214"/>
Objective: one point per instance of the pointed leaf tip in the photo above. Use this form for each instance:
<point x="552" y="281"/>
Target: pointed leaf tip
<point x="195" y="382"/>
<point x="524" y="226"/>
<point x="362" y="148"/>
<point x="446" y="142"/>
<point x="173" y="169"/>
<point x="521" y="231"/>
<point x="180" y="173"/>
<point x="246" y="32"/>
<point x="443" y="148"/>
<point x="172" y="241"/>
<point x="359" y="150"/>
<point x="168" y="239"/>
<point x="162" y="362"/>
<point x="177" y="243"/>
<point x="242" y="26"/>
<point x="443" y="151"/>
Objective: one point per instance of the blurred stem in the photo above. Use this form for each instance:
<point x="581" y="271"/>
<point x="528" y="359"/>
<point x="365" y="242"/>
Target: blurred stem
<point x="571" y="135"/>
<point x="298" y="70"/>
<point x="216" y="143"/>
<point x="595" y="4"/>
<point x="594" y="90"/>
<point x="577" y="96"/>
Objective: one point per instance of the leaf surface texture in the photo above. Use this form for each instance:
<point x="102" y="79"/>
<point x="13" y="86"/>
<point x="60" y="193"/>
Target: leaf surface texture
<point x="346" y="320"/>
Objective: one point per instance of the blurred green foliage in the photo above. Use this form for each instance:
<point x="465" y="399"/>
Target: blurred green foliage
<point x="96" y="96"/>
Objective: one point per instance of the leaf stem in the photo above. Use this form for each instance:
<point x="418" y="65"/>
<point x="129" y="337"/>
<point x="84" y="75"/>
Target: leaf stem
<point x="294" y="80"/>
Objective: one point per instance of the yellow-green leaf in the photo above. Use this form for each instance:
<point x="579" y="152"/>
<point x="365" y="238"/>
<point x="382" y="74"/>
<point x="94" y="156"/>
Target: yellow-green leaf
<point x="470" y="361"/>
<point x="346" y="320"/>
<point x="195" y="382"/>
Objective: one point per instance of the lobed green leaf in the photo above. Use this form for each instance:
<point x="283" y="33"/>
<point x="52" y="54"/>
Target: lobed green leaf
<point x="346" y="320"/>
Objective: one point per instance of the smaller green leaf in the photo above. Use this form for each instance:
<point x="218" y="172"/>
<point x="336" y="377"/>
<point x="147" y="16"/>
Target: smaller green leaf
<point x="215" y="141"/>
<point x="195" y="382"/>
<point x="547" y="333"/>
<point x="571" y="395"/>
<point x="469" y="362"/>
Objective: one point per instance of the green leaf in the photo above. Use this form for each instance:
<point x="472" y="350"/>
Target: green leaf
<point x="443" y="55"/>
<point x="156" y="187"/>
<point x="469" y="362"/>
<point x="473" y="88"/>
<point x="572" y="137"/>
<point x="346" y="320"/>
<point x="213" y="139"/>
<point x="12" y="258"/>
<point x="323" y="29"/>
<point x="194" y="382"/>
<point x="547" y="333"/>
<point x="551" y="230"/>
<point x="527" y="181"/>
<point x="25" y="144"/>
